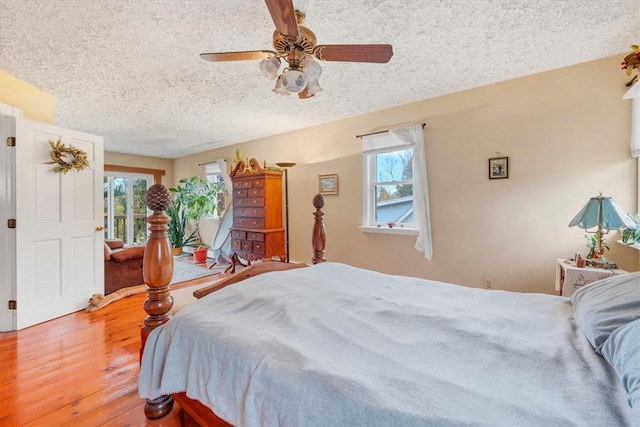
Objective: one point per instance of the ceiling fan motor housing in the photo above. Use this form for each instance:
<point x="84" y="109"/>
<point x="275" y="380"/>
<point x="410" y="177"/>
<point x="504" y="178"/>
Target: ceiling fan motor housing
<point x="295" y="50"/>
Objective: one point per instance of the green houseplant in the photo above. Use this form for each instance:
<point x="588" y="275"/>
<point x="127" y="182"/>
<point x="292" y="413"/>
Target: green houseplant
<point x="178" y="227"/>
<point x="628" y="235"/>
<point x="196" y="197"/>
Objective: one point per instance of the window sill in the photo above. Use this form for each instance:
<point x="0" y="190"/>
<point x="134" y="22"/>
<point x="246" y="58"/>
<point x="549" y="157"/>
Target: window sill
<point x="389" y="230"/>
<point x="635" y="246"/>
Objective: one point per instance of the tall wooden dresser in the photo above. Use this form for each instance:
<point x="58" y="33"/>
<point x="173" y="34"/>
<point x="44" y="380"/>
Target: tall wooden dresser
<point x="257" y="230"/>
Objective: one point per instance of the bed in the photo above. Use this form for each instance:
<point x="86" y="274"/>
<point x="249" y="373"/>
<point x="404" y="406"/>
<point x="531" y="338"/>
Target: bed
<point x="331" y="344"/>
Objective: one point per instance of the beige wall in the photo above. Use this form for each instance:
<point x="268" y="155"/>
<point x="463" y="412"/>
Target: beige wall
<point x="566" y="133"/>
<point x="130" y="160"/>
<point x="34" y="103"/>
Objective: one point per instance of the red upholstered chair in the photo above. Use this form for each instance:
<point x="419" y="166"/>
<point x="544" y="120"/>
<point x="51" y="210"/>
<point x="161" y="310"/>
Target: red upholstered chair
<point x="122" y="265"/>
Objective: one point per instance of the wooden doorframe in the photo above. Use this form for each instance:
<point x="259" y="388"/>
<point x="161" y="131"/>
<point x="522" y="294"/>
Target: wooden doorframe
<point x="7" y="210"/>
<point x="157" y="173"/>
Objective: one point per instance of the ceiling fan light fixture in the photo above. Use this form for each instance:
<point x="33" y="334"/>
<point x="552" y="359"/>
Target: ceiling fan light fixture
<point x="293" y="80"/>
<point x="313" y="87"/>
<point x="269" y="67"/>
<point x="296" y="46"/>
<point x="311" y="69"/>
<point x="279" y="87"/>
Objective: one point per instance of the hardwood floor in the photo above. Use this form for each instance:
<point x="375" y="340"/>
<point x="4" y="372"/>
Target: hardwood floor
<point x="78" y="370"/>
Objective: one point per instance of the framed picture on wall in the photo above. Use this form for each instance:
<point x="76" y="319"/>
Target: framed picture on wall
<point x="328" y="184"/>
<point x="499" y="168"/>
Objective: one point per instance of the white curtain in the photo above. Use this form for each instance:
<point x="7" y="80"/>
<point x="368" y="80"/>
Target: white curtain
<point x="635" y="126"/>
<point x="224" y="171"/>
<point x="219" y="167"/>
<point x="414" y="137"/>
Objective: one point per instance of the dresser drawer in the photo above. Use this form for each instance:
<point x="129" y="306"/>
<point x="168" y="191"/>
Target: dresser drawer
<point x="240" y="192"/>
<point x="258" y="183"/>
<point x="248" y="223"/>
<point x="237" y="234"/>
<point x="249" y="201"/>
<point x="255" y="192"/>
<point x="249" y="212"/>
<point x="236" y="244"/>
<point x="258" y="247"/>
<point x="244" y="183"/>
<point x="256" y="237"/>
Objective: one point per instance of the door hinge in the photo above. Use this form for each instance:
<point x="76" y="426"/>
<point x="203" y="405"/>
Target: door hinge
<point x="11" y="223"/>
<point x="11" y="141"/>
<point x="13" y="304"/>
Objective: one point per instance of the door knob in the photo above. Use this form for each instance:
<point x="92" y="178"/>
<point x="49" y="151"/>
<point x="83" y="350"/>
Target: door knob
<point x="99" y="228"/>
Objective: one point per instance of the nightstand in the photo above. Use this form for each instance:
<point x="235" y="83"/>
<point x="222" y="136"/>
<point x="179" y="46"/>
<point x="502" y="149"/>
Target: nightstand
<point x="570" y="278"/>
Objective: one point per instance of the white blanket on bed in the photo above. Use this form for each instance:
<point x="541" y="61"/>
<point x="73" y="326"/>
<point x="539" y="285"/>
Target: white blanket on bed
<point x="333" y="345"/>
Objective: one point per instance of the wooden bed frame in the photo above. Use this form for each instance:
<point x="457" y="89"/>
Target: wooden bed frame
<point x="158" y="271"/>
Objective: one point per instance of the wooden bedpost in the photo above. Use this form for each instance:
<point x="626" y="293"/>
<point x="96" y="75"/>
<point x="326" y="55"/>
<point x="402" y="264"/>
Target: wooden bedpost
<point x="157" y="272"/>
<point x="318" y="240"/>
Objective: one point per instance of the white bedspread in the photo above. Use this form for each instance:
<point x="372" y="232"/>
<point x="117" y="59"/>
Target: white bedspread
<point x="333" y="345"/>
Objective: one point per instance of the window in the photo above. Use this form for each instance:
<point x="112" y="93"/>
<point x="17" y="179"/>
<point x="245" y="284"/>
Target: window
<point x="125" y="209"/>
<point x="396" y="196"/>
<point x="389" y="188"/>
<point x="214" y="173"/>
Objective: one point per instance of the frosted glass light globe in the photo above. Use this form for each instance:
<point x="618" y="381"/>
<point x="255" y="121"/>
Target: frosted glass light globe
<point x="294" y="81"/>
<point x="269" y="67"/>
<point x="312" y="70"/>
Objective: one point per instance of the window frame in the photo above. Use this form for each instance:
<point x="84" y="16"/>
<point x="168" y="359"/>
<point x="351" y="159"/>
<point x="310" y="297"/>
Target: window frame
<point x="370" y="182"/>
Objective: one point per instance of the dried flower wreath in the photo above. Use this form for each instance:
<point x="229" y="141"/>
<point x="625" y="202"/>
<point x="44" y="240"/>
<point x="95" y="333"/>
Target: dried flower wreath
<point x="67" y="158"/>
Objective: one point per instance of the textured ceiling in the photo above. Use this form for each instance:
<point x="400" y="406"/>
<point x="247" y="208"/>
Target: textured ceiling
<point x="131" y="72"/>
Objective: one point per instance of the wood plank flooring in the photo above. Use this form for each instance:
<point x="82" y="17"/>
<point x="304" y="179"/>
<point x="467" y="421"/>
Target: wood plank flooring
<point x="78" y="370"/>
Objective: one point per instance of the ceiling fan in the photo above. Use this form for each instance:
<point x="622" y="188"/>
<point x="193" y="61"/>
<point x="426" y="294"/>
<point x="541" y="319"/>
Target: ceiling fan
<point x="297" y="45"/>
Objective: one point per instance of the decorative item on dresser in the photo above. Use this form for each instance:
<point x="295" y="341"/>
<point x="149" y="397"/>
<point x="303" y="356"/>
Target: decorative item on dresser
<point x="257" y="231"/>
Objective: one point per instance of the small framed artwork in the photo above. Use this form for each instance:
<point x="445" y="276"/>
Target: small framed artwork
<point x="499" y="168"/>
<point x="328" y="184"/>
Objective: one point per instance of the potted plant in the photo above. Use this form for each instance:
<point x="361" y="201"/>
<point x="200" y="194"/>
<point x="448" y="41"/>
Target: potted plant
<point x="628" y="235"/>
<point x="178" y="228"/>
<point x="197" y="197"/>
<point x="592" y="245"/>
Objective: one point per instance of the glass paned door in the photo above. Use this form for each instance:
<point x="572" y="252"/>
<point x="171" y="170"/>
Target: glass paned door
<point x="125" y="208"/>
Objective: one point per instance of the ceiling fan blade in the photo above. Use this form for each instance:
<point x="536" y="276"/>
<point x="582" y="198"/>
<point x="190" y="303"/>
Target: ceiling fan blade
<point x="284" y="17"/>
<point x="237" y="56"/>
<point x="380" y="53"/>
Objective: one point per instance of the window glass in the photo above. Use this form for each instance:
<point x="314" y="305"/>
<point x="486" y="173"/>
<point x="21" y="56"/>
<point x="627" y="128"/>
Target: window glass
<point x="390" y="184"/>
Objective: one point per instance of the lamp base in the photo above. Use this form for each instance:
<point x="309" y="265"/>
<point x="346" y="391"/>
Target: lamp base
<point x="601" y="262"/>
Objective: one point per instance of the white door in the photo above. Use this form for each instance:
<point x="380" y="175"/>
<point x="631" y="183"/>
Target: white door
<point x="59" y="237"/>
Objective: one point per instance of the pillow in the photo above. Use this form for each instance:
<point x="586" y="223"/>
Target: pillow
<point x="114" y="243"/>
<point x="107" y="252"/>
<point x="605" y="305"/>
<point x="622" y="351"/>
<point x="123" y="255"/>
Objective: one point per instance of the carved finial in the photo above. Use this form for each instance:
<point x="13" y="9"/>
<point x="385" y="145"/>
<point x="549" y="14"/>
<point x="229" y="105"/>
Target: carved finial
<point x="158" y="198"/>
<point x="318" y="239"/>
<point x="318" y="201"/>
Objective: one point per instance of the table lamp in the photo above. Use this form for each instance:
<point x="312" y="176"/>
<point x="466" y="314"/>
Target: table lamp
<point x="601" y="212"/>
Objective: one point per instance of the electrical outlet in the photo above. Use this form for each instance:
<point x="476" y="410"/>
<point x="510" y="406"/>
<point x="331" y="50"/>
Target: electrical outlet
<point x="488" y="282"/>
